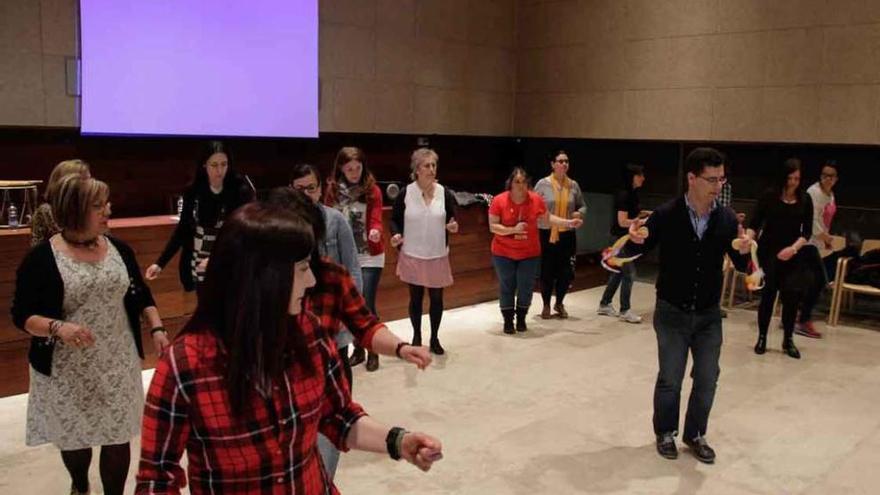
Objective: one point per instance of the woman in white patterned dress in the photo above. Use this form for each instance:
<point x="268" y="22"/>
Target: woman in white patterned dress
<point x="80" y="295"/>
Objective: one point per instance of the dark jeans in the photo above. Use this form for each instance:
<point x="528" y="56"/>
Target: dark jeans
<point x="823" y="272"/>
<point x="557" y="264"/>
<point x="678" y="332"/>
<point x="515" y="277"/>
<point x="371" y="277"/>
<point x="624" y="279"/>
<point x="820" y="280"/>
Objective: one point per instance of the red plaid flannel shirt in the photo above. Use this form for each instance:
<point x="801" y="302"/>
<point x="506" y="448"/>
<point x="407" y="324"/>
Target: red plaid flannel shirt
<point x="272" y="449"/>
<point x="336" y="301"/>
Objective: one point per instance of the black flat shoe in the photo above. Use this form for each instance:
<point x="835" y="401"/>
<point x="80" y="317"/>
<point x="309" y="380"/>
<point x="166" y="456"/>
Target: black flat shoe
<point x="436" y="348"/>
<point x="761" y="346"/>
<point x="790" y="350"/>
<point x="666" y="446"/>
<point x="701" y="450"/>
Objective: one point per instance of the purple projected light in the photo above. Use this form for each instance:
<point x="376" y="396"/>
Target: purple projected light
<point x="200" y="67"/>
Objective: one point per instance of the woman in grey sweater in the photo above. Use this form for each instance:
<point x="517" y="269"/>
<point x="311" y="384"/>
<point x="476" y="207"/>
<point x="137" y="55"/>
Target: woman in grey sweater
<point x="563" y="198"/>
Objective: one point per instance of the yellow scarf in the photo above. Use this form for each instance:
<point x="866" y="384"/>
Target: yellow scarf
<point x="560" y="197"/>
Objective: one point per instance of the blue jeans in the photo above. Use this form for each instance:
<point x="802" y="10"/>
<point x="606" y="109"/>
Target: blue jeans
<point x="679" y="332"/>
<point x="371" y="286"/>
<point x="516" y="277"/>
<point x="624" y="279"/>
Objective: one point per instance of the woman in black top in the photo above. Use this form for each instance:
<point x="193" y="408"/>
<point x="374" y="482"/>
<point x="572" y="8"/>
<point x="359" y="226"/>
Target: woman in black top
<point x="215" y="192"/>
<point x="626" y="210"/>
<point x="784" y="219"/>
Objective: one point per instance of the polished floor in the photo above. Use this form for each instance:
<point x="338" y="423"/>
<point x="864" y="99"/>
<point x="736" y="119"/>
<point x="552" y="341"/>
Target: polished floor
<point x="566" y="408"/>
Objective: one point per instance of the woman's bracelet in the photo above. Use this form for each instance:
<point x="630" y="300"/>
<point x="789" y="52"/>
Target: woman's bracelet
<point x="394" y="441"/>
<point x="399" y="347"/>
<point x="158" y="329"/>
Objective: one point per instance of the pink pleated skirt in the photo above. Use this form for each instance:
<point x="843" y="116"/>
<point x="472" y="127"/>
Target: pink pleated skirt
<point x="435" y="273"/>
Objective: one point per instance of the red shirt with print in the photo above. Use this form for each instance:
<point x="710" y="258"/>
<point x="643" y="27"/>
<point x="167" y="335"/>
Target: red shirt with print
<point x="518" y="246"/>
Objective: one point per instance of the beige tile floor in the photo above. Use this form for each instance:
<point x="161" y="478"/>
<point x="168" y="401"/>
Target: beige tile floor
<point x="566" y="408"/>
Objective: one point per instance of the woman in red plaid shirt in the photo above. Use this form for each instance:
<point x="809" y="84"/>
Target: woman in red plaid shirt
<point x="248" y="385"/>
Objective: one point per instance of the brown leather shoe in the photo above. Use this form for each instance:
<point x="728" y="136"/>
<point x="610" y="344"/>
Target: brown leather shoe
<point x="560" y="310"/>
<point x="545" y="313"/>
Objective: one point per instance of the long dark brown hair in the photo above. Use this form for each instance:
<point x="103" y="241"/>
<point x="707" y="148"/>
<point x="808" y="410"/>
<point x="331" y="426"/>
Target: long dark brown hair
<point x="246" y="295"/>
<point x="345" y="155"/>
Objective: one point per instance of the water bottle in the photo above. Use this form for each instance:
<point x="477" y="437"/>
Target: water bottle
<point x="180" y="206"/>
<point x="12" y="216"/>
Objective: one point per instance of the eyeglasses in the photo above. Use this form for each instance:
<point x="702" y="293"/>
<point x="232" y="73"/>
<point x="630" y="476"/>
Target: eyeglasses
<point x="829" y="176"/>
<point x="564" y="160"/>
<point x="715" y="181"/>
<point x="309" y="188"/>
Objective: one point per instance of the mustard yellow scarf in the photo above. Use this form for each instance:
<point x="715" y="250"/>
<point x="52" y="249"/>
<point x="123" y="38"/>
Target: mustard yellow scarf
<point x="560" y="197"/>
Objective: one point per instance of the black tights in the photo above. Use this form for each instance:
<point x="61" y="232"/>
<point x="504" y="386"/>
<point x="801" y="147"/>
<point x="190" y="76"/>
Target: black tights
<point x="775" y="281"/>
<point x="416" y="294"/>
<point x="114" y="463"/>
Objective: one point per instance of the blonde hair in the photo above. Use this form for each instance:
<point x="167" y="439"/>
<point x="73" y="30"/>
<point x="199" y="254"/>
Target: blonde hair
<point x="418" y="157"/>
<point x="74" y="198"/>
<point x="62" y="170"/>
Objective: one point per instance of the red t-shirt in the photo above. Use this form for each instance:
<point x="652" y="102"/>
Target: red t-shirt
<point x="518" y="246"/>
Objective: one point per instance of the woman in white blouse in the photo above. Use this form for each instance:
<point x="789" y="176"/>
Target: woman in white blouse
<point x="421" y="219"/>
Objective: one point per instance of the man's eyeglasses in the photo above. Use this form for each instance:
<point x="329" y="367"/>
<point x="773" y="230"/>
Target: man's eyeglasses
<point x="309" y="188"/>
<point x="715" y="181"/>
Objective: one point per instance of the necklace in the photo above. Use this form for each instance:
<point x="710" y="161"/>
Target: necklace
<point x="87" y="244"/>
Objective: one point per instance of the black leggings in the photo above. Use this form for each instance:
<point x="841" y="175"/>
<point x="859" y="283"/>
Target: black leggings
<point x="557" y="264"/>
<point x="416" y="295"/>
<point x="778" y="278"/>
<point x="114" y="463"/>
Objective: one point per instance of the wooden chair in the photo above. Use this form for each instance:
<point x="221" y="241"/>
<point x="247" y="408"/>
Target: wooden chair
<point x="843" y="289"/>
<point x="728" y="284"/>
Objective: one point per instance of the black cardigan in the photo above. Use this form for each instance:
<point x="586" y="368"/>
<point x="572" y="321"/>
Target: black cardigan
<point x="398" y="211"/>
<point x="236" y="192"/>
<point x="39" y="291"/>
<point x="690" y="268"/>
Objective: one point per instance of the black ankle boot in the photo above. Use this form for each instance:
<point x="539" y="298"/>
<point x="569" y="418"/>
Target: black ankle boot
<point x="358" y="356"/>
<point x="372" y="362"/>
<point x="761" y="346"/>
<point x="417" y="338"/>
<point x="521" y="319"/>
<point x="436" y="348"/>
<point x="789" y="349"/>
<point x="508" y="320"/>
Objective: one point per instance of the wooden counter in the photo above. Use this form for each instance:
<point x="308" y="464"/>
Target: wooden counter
<point x="470" y="258"/>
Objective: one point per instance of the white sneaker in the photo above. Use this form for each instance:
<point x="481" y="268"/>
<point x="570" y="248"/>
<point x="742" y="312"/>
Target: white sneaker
<point x="607" y="310"/>
<point x="630" y="317"/>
